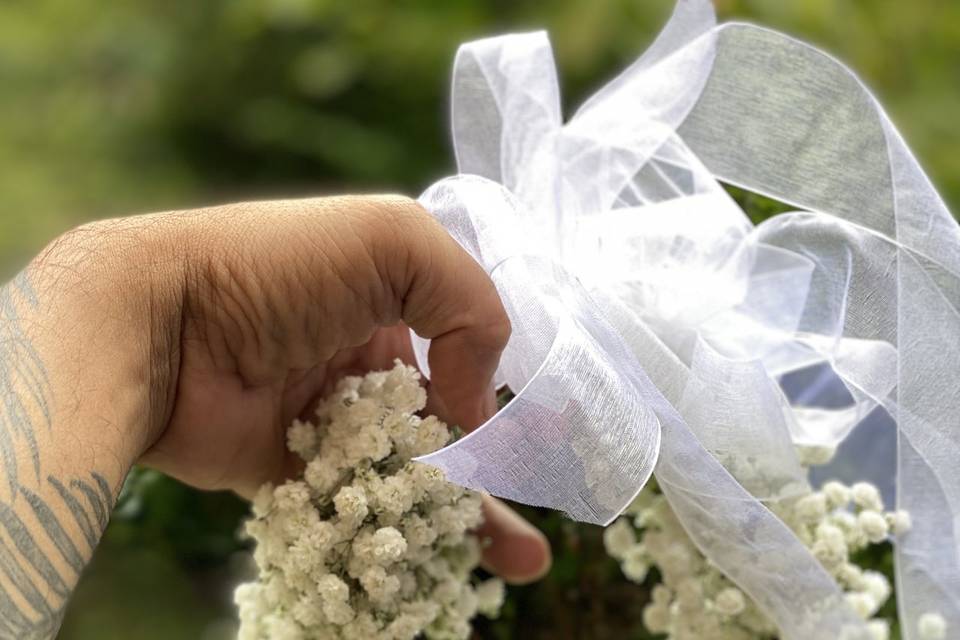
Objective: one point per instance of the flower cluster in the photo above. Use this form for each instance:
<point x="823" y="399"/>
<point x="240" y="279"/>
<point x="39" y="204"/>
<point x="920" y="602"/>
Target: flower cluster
<point x="367" y="544"/>
<point x="695" y="601"/>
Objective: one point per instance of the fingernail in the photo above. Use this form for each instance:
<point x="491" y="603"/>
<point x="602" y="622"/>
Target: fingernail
<point x="519" y="552"/>
<point x="512" y="520"/>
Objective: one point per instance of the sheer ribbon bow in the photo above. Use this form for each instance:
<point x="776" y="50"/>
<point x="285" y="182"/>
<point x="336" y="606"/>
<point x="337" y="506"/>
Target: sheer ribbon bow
<point x="656" y="330"/>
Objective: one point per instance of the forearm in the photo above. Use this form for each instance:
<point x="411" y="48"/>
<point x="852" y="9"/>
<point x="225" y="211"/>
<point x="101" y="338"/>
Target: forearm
<point x="70" y="402"/>
<point x="189" y="341"/>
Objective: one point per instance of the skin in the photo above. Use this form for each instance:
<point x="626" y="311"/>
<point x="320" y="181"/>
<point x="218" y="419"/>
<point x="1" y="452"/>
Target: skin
<point x="188" y="341"/>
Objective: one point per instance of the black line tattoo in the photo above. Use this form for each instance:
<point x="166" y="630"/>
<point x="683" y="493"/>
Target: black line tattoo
<point x="54" y="530"/>
<point x="76" y="509"/>
<point x="93" y="497"/>
<point x="105" y="491"/>
<point x="33" y="554"/>
<point x="48" y="530"/>
<point x="31" y="566"/>
<point x="24" y="387"/>
<point x="16" y="573"/>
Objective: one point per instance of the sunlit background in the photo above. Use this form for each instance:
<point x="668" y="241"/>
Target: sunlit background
<point x="113" y="108"/>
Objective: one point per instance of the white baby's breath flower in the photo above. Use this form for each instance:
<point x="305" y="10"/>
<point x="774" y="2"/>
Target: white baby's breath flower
<point x="811" y="508"/>
<point x="851" y="576"/>
<point x="302" y="439"/>
<point x="863" y="603"/>
<point x="830" y="547"/>
<point x="335" y="594"/>
<point x="877" y="585"/>
<point x="867" y="496"/>
<point x="695" y="601"/>
<point x="388" y="544"/>
<point x="263" y="501"/>
<point x="932" y="626"/>
<point x="381" y="586"/>
<point x="679" y="560"/>
<point x="899" y="522"/>
<point x="661" y="594"/>
<point x="838" y="494"/>
<point x="690" y="595"/>
<point x="636" y="564"/>
<point x="619" y="538"/>
<point x="393" y="496"/>
<point x="730" y="601"/>
<point x="282" y="628"/>
<point x="853" y="533"/>
<point x="490" y="596"/>
<point x="417" y="531"/>
<point x="363" y="625"/>
<point x="656" y="618"/>
<point x="874" y="525"/>
<point x="308" y="610"/>
<point x="292" y="496"/>
<point x="878" y="629"/>
<point x="431" y="434"/>
<point x="367" y="544"/>
<point x="351" y="504"/>
<point x="322" y="475"/>
<point x="811" y="455"/>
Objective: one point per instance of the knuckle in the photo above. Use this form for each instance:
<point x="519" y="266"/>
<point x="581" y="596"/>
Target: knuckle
<point x="397" y="237"/>
<point x="400" y="218"/>
<point x="496" y="331"/>
<point x="397" y="207"/>
<point x="500" y="328"/>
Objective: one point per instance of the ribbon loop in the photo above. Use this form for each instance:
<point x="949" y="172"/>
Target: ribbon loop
<point x="655" y="325"/>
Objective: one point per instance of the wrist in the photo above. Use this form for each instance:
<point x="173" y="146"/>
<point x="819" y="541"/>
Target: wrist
<point x="106" y="322"/>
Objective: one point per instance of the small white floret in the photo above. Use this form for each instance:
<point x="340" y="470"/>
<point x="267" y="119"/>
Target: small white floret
<point x="932" y="626"/>
<point x="899" y="522"/>
<point x="618" y="538"/>
<point x="811" y="508"/>
<point x="838" y="494"/>
<point x="874" y="525"/>
<point x="730" y="602"/>
<point x="867" y="496"/>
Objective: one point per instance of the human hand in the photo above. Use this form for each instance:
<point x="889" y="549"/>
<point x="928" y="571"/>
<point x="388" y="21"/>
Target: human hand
<point x="243" y="316"/>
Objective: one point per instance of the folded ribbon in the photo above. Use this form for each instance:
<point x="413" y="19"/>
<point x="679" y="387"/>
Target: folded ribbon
<point x="656" y="330"/>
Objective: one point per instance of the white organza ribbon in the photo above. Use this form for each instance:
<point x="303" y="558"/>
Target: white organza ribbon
<point x="656" y="330"/>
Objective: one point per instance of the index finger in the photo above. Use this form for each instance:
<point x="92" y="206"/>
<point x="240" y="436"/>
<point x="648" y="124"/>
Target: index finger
<point x="448" y="298"/>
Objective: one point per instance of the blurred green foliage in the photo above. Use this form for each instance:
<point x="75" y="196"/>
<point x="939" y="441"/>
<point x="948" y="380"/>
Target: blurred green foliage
<point x="111" y="108"/>
<point x="121" y="107"/>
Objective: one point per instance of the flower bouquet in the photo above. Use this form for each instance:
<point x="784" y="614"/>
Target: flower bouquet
<point x="662" y="339"/>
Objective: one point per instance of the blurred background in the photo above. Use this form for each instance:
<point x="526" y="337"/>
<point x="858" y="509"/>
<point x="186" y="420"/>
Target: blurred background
<point x="112" y="108"/>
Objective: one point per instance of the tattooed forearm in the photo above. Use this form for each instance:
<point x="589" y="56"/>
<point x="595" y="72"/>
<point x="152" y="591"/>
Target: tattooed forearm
<point x="39" y="555"/>
<point x="49" y="526"/>
<point x="24" y="387"/>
